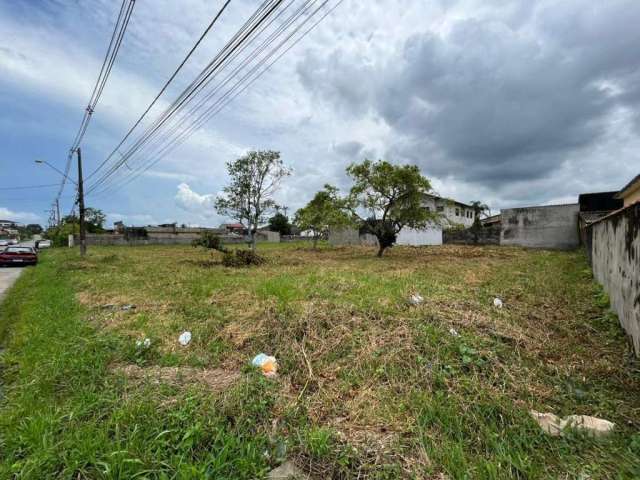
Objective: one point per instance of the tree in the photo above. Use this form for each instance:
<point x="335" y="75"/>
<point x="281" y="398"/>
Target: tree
<point x="34" y="228"/>
<point x="325" y="210"/>
<point x="280" y="223"/>
<point x="479" y="209"/>
<point x="392" y="196"/>
<point x="70" y="225"/>
<point x="94" y="219"/>
<point x="248" y="198"/>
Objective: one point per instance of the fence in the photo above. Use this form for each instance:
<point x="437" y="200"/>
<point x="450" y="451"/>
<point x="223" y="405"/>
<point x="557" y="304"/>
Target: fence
<point x="614" y="246"/>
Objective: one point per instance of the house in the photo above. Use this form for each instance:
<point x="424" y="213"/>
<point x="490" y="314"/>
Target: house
<point x="8" y="224"/>
<point x="453" y="213"/>
<point x="492" y="221"/>
<point x="629" y="194"/>
<point x="236" y="228"/>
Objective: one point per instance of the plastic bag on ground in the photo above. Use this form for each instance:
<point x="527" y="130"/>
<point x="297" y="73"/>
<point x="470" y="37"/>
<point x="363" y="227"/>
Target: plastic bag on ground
<point x="497" y="302"/>
<point x="267" y="363"/>
<point x="184" y="338"/>
<point x="415" y="299"/>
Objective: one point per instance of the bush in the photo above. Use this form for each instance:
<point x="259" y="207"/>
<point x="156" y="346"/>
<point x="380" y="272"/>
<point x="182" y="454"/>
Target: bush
<point x="210" y="241"/>
<point x="241" y="258"/>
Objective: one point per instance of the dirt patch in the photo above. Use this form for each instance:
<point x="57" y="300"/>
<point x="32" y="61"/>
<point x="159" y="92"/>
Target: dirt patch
<point x="215" y="379"/>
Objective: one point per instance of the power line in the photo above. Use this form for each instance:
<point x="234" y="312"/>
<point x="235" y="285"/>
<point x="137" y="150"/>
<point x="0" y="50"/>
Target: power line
<point x="196" y="86"/>
<point x="239" y="87"/>
<point x="115" y="42"/>
<point x="164" y="87"/>
<point x="27" y="187"/>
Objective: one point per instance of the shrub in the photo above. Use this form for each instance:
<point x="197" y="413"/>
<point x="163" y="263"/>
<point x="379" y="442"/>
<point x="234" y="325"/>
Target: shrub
<point x="241" y="258"/>
<point x="210" y="241"/>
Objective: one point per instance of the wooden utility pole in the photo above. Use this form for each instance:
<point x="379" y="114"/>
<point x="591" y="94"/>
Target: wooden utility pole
<point x="83" y="226"/>
<point x="58" y="219"/>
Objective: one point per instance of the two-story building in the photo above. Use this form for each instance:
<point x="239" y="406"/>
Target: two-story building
<point x="452" y="212"/>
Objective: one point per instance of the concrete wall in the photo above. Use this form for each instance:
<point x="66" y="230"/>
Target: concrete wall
<point x="350" y="236"/>
<point x="486" y="236"/>
<point x="164" y="238"/>
<point x="615" y="258"/>
<point x="427" y="236"/>
<point x="553" y="226"/>
<point x="407" y="236"/>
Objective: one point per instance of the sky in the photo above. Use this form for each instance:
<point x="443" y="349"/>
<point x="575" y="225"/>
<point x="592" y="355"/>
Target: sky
<point x="512" y="103"/>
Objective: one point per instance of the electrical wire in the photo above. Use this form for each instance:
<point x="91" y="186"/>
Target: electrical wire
<point x="231" y="94"/>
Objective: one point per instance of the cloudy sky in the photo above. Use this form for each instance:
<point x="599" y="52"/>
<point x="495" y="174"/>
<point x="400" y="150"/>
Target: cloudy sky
<point x="513" y="103"/>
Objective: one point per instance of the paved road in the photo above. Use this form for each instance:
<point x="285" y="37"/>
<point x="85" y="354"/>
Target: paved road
<point x="8" y="275"/>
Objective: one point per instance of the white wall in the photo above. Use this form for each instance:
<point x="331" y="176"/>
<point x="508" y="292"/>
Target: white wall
<point x="427" y="236"/>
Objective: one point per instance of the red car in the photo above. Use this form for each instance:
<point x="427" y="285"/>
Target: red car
<point x="15" y="255"/>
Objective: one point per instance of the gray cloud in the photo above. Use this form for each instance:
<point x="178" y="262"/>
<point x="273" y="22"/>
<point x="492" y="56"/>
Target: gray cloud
<point x="496" y="99"/>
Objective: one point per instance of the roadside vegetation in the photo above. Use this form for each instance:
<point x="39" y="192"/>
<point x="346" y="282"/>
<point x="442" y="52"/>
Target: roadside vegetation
<point x="368" y="386"/>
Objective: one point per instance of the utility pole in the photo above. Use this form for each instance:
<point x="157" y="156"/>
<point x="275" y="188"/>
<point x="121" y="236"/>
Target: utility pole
<point x="58" y="213"/>
<point x="83" y="231"/>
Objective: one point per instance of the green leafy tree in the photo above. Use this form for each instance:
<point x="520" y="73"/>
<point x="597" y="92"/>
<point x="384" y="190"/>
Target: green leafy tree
<point x="34" y="228"/>
<point x="325" y="210"/>
<point x="248" y="198"/>
<point x="70" y="225"/>
<point x="391" y="196"/>
<point x="479" y="210"/>
<point x="280" y="223"/>
<point x="94" y="219"/>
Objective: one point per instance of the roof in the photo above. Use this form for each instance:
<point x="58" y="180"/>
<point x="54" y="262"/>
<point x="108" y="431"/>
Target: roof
<point x="492" y="219"/>
<point x="590" y="217"/>
<point x="232" y="225"/>
<point x="632" y="185"/>
<point x="599" y="201"/>
<point x="448" y="200"/>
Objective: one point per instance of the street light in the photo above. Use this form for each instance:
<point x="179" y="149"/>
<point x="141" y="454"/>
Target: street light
<point x="44" y="162"/>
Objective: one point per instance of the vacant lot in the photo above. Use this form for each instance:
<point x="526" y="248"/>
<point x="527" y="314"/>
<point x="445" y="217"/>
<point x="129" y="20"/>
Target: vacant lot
<point x="368" y="386"/>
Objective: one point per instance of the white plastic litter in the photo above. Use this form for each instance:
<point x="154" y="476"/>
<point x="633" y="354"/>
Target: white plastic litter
<point x="416" y="299"/>
<point x="556" y="426"/>
<point x="497" y="302"/>
<point x="146" y="343"/>
<point x="454" y="332"/>
<point x="267" y="363"/>
<point x="184" y="338"/>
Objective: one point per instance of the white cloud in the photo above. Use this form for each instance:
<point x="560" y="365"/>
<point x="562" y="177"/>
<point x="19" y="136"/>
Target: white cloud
<point x="21" y="217"/>
<point x="193" y="202"/>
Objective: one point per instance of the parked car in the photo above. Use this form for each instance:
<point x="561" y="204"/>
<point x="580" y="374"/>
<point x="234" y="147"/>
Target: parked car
<point x="13" y="241"/>
<point x="40" y="244"/>
<point x="4" y="242"/>
<point x="13" y="255"/>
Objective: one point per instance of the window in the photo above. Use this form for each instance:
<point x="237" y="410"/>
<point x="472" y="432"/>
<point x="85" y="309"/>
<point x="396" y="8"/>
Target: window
<point x="428" y="209"/>
<point x="440" y="208"/>
<point x="457" y="212"/>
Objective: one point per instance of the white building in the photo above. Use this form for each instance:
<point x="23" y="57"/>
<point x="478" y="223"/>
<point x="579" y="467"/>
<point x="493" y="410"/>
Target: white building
<point x="451" y="213"/>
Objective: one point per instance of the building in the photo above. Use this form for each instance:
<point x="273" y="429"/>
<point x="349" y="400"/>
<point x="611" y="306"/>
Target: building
<point x="236" y="228"/>
<point x="453" y="213"/>
<point x="8" y="224"/>
<point x="629" y="194"/>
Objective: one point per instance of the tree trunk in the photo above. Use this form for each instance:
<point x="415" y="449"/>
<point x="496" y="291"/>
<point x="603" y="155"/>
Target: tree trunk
<point x="315" y="242"/>
<point x="380" y="251"/>
<point x="253" y="239"/>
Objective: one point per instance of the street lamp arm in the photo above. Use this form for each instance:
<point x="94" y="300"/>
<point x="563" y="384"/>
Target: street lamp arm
<point x="60" y="172"/>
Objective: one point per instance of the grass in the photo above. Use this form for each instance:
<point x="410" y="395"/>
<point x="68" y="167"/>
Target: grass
<point x="368" y="386"/>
